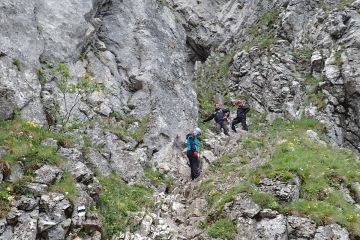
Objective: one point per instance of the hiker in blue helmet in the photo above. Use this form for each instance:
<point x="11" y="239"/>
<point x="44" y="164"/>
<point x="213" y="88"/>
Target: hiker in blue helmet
<point x="192" y="143"/>
<point x="220" y="116"/>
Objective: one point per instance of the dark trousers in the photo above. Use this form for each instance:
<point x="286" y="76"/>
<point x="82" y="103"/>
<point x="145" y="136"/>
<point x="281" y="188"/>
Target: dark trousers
<point x="194" y="165"/>
<point x="222" y="125"/>
<point x="238" y="120"/>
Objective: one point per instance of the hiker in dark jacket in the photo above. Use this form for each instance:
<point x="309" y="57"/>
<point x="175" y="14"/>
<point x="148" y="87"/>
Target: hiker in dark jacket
<point x="193" y="152"/>
<point x="220" y="116"/>
<point x="242" y="110"/>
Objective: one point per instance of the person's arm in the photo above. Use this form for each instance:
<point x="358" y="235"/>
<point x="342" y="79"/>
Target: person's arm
<point x="247" y="109"/>
<point x="209" y="118"/>
<point x="226" y="112"/>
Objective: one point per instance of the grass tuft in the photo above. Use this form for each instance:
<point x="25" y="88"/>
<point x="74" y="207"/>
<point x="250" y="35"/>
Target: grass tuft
<point x="116" y="201"/>
<point x="222" y="229"/>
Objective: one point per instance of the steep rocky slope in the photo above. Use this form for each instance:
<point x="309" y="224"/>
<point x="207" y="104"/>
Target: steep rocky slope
<point x="97" y="96"/>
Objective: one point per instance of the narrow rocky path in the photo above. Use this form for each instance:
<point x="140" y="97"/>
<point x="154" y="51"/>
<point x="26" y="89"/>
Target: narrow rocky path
<point x="181" y="213"/>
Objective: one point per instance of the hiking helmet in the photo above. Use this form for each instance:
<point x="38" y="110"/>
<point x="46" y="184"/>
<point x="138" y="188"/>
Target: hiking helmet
<point x="197" y="131"/>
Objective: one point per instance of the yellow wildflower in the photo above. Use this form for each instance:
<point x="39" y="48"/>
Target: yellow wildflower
<point x="31" y="124"/>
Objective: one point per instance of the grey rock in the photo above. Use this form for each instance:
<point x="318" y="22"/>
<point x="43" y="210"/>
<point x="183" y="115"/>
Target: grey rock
<point x="300" y="228"/>
<point x="37" y="189"/>
<point x="7" y="233"/>
<point x="48" y="174"/>
<point x="26" y="228"/>
<point x="336" y="26"/>
<point x="317" y="61"/>
<point x="50" y="142"/>
<point x="145" y="226"/>
<point x="333" y="231"/>
<point x="24" y="203"/>
<point x="92" y="223"/>
<point x="356" y="4"/>
<point x="16" y="171"/>
<point x="242" y="207"/>
<point x="71" y="154"/>
<point x="313" y="135"/>
<point x="80" y="172"/>
<point x="98" y="162"/>
<point x="268" y="213"/>
<point x="53" y="220"/>
<point x="13" y="215"/>
<point x="196" y="207"/>
<point x="123" y="162"/>
<point x="246" y="229"/>
<point x="272" y="228"/>
<point x="7" y="103"/>
<point x="284" y="191"/>
<point x="2" y="225"/>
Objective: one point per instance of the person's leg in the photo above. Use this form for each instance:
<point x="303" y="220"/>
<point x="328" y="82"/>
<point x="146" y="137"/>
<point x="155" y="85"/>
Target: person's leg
<point x="194" y="165"/>
<point x="234" y="123"/>
<point x="218" y="127"/>
<point x="224" y="125"/>
<point x="243" y="123"/>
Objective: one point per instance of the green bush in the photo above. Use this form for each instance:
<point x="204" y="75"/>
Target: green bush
<point x="264" y="200"/>
<point x="223" y="229"/>
<point x="116" y="201"/>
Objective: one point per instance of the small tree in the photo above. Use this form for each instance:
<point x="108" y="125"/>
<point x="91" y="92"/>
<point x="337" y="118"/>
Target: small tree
<point x="82" y="89"/>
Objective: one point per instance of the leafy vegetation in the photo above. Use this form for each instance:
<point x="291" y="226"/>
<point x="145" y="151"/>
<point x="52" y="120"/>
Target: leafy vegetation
<point x="338" y="60"/>
<point x="117" y="201"/>
<point x="339" y="5"/>
<point x="67" y="186"/>
<point x="323" y="171"/>
<point x="123" y="131"/>
<point x="157" y="178"/>
<point x="263" y="33"/>
<point x="5" y="197"/>
<point x="22" y="140"/>
<point x="302" y="55"/>
<point x="17" y="64"/>
<point x="313" y="92"/>
<point x="81" y="89"/>
<point x="23" y="143"/>
<point x="223" y="229"/>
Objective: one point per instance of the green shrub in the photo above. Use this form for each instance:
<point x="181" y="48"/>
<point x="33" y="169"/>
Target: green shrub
<point x="223" y="229"/>
<point x="115" y="202"/>
<point x="265" y="200"/>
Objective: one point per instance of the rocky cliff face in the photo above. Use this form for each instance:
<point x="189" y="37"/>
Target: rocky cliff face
<point x="124" y="80"/>
<point x="278" y="47"/>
